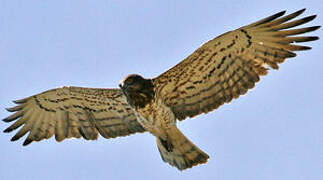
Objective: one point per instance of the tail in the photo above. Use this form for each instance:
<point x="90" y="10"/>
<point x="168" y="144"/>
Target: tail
<point x="180" y="152"/>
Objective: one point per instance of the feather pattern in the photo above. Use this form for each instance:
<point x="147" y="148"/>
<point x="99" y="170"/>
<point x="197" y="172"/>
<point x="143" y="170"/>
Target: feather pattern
<point x="221" y="70"/>
<point x="228" y="66"/>
<point x="73" y="112"/>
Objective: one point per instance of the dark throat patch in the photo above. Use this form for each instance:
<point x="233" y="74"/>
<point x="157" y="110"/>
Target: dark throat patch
<point x="139" y="98"/>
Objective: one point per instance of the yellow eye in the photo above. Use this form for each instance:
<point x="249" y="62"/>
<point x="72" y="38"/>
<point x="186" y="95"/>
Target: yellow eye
<point x="130" y="81"/>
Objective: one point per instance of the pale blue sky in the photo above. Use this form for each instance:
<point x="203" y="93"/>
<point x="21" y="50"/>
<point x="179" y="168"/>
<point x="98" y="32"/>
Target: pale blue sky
<point x="273" y="132"/>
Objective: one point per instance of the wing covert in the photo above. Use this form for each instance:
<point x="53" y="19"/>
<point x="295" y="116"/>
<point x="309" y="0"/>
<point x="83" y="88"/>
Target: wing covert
<point x="73" y="112"/>
<point x="227" y="66"/>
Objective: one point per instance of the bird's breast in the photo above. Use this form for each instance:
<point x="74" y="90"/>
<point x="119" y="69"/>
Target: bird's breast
<point x="156" y="117"/>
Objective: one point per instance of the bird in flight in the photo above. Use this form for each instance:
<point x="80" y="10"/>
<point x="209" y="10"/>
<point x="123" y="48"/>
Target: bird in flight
<point x="220" y="70"/>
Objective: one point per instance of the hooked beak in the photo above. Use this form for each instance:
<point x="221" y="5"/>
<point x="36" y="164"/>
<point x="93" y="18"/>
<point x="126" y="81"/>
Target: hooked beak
<point x="123" y="86"/>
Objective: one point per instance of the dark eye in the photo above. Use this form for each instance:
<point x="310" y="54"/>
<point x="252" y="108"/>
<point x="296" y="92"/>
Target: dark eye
<point x="130" y="81"/>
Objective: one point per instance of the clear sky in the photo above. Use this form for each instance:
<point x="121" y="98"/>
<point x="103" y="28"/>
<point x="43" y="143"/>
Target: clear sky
<point x="273" y="132"/>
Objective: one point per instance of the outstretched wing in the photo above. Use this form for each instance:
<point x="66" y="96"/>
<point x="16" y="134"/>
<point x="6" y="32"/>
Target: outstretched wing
<point x="73" y="112"/>
<point x="227" y="66"/>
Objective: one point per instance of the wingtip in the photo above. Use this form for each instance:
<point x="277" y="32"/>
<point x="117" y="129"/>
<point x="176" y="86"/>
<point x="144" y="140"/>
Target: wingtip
<point x="310" y="29"/>
<point x="14" y="138"/>
<point x="15" y="108"/>
<point x="310" y="38"/>
<point x="6" y="120"/>
<point x="16" y="102"/>
<point x="301" y="10"/>
<point x="7" y="130"/>
<point x="306" y="48"/>
<point x="315" y="28"/>
<point x="291" y="55"/>
<point x="297" y="13"/>
<point x="20" y="101"/>
<point x="8" y="109"/>
<point x="12" y="109"/>
<point x="310" y="18"/>
<point x="27" y="141"/>
<point x="281" y="13"/>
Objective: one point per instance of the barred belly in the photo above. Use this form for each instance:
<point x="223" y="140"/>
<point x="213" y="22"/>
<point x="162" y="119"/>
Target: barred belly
<point x="156" y="118"/>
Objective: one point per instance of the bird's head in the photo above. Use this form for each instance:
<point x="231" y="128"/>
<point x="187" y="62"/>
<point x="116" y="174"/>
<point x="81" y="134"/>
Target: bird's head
<point x="132" y="82"/>
<point x="137" y="89"/>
